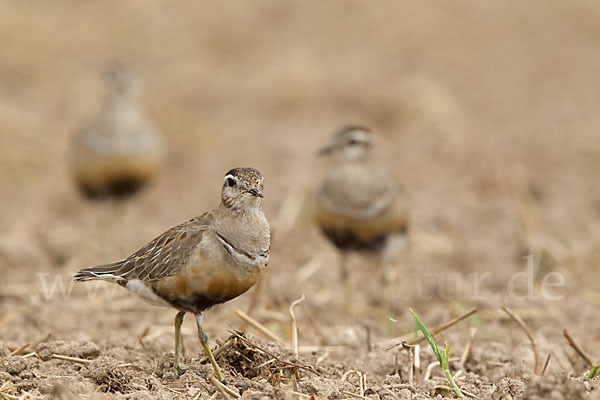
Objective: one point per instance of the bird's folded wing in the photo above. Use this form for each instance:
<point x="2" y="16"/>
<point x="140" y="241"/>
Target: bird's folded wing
<point x="163" y="256"/>
<point x="359" y="201"/>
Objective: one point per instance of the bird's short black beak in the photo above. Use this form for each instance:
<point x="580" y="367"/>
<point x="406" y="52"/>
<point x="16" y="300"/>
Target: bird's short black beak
<point x="256" y="192"/>
<point x="325" y="150"/>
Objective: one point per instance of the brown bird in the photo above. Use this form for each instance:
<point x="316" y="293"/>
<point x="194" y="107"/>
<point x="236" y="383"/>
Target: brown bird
<point x="120" y="149"/>
<point x="205" y="261"/>
<point x="360" y="206"/>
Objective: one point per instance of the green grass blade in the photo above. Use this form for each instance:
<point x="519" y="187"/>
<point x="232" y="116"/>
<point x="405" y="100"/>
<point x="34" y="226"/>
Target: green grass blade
<point x="443" y="358"/>
<point x="453" y="385"/>
<point x="446" y="357"/>
<point x="416" y="330"/>
<point x="428" y="336"/>
<point x="593" y="372"/>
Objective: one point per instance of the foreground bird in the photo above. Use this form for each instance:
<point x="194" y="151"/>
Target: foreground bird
<point x="205" y="261"/>
<point x="359" y="205"/>
<point x="119" y="150"/>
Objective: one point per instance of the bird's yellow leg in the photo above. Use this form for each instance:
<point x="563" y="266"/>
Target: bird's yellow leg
<point x="343" y="267"/>
<point x="346" y="282"/>
<point x="178" y="322"/>
<point x="204" y="342"/>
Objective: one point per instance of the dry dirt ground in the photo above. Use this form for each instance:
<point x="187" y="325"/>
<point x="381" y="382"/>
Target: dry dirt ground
<point x="486" y="111"/>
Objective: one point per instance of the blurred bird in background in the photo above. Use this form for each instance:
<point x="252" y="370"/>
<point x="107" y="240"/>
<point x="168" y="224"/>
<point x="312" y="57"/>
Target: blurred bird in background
<point x="119" y="149"/>
<point x="360" y="206"/>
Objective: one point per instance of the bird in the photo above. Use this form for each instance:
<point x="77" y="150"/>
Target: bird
<point x="208" y="260"/>
<point x="359" y="205"/>
<point x="119" y="149"/>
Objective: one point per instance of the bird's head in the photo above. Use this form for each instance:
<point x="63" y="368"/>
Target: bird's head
<point x="242" y="189"/>
<point x="122" y="80"/>
<point x="349" y="143"/>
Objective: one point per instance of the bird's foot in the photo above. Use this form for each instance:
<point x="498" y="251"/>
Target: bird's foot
<point x="223" y="381"/>
<point x="201" y="375"/>
<point x="179" y="370"/>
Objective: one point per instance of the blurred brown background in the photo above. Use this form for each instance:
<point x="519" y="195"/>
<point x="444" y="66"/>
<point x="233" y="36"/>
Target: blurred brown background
<point x="486" y="111"/>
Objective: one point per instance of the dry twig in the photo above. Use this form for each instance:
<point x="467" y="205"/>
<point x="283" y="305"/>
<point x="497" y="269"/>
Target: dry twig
<point x="411" y="365"/>
<point x="226" y="391"/>
<point x="546" y="364"/>
<point x="9" y="396"/>
<point x="444" y="387"/>
<point x="71" y="359"/>
<point x="358" y="396"/>
<point x="295" y="324"/>
<point x="440" y="329"/>
<point x="19" y="349"/>
<point x="577" y="349"/>
<point x="221" y="349"/>
<point x="260" y="327"/>
<point x="141" y="336"/>
<point x="32" y="354"/>
<point x="434" y="331"/>
<point x="362" y="381"/>
<point x="429" y="369"/>
<point x="434" y="364"/>
<point x="388" y="391"/>
<point x="417" y="362"/>
<point x="467" y="351"/>
<point x="534" y="346"/>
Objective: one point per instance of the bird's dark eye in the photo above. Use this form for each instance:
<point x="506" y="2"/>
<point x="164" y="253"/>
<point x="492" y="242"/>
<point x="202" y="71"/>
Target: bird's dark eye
<point x="230" y="182"/>
<point x="353" y="142"/>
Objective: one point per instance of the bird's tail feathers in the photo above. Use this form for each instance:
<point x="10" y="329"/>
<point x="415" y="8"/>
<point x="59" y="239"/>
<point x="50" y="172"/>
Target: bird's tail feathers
<point x="108" y="272"/>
